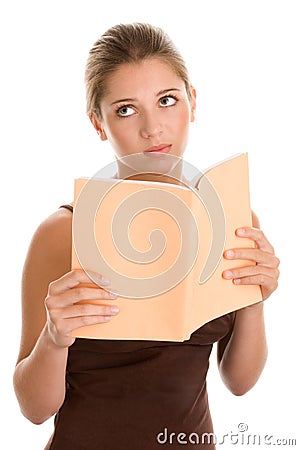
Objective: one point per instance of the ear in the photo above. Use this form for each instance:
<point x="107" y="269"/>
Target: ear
<point x="97" y="125"/>
<point x="193" y="96"/>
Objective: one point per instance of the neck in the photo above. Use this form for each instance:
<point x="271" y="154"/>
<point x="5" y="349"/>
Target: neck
<point x="145" y="168"/>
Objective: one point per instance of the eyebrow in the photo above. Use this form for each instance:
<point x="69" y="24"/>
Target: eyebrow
<point x="162" y="92"/>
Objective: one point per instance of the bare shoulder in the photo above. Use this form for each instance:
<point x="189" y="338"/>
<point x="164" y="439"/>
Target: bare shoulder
<point x="55" y="231"/>
<point x="58" y="222"/>
<point x="50" y="247"/>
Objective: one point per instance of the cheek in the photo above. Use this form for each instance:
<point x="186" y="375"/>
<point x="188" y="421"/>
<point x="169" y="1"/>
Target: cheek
<point x="122" y="138"/>
<point x="116" y="132"/>
<point x="182" y="122"/>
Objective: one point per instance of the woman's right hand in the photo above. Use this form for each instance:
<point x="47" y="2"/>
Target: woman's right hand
<point x="64" y="314"/>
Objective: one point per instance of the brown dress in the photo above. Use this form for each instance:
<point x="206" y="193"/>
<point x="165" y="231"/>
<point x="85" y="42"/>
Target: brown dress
<point x="138" y="395"/>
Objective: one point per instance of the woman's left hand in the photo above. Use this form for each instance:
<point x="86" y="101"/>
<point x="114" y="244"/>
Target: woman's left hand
<point x="265" y="272"/>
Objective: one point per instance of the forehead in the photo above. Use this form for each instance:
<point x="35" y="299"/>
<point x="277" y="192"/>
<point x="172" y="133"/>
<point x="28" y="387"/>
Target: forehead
<point x="151" y="75"/>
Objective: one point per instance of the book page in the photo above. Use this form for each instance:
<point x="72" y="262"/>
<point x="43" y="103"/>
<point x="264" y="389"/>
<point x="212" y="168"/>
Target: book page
<point x="161" y="245"/>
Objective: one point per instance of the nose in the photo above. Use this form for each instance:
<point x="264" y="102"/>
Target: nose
<point x="151" y="126"/>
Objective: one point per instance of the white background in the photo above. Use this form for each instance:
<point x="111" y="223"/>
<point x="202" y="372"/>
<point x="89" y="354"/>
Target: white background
<point x="243" y="58"/>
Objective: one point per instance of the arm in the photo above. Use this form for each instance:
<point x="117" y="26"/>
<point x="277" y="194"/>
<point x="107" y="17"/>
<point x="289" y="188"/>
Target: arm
<point x="242" y="356"/>
<point x="49" y="314"/>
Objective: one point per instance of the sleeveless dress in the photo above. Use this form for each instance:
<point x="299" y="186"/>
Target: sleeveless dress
<point x="138" y="394"/>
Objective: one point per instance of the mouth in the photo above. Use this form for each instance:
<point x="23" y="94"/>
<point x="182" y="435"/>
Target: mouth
<point x="158" y="149"/>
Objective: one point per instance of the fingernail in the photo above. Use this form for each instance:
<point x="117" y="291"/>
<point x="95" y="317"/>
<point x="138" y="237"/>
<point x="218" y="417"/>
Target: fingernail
<point x="113" y="294"/>
<point x="107" y="318"/>
<point x="227" y="274"/>
<point x="229" y="254"/>
<point x="98" y="278"/>
<point x="114" y="309"/>
<point x="237" y="281"/>
<point x="241" y="231"/>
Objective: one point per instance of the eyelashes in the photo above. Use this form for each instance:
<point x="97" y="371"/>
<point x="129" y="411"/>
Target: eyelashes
<point x="168" y="100"/>
<point x="127" y="110"/>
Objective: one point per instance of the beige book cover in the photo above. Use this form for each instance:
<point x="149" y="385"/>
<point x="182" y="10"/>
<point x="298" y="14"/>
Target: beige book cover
<point x="162" y="245"/>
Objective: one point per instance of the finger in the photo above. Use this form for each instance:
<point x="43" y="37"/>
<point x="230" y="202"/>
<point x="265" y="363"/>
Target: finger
<point x="83" y="310"/>
<point x="262" y="280"/>
<point x="250" y="271"/>
<point x="75" y="277"/>
<point x="75" y="295"/>
<point x="85" y="293"/>
<point x="253" y="254"/>
<point x="257" y="236"/>
<point x="68" y="325"/>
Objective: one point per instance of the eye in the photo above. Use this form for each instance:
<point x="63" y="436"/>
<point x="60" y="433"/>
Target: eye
<point x="168" y="100"/>
<point x="125" y="111"/>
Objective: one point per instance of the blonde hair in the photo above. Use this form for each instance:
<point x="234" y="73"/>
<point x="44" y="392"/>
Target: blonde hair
<point x="123" y="44"/>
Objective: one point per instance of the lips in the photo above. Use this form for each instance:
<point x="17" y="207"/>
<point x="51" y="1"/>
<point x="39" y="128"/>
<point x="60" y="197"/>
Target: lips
<point x="158" y="149"/>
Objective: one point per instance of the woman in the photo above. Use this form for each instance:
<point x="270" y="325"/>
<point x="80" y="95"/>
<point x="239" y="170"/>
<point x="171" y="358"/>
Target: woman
<point x="123" y="394"/>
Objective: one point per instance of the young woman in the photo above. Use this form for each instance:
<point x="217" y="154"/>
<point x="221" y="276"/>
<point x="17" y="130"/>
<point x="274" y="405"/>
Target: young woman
<point x="115" y="394"/>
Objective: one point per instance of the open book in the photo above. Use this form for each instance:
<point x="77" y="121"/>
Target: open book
<point x="161" y="245"/>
